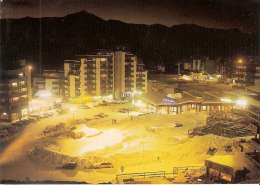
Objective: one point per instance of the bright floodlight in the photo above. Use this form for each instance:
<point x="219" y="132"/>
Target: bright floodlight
<point x="241" y="103"/>
<point x="44" y="94"/>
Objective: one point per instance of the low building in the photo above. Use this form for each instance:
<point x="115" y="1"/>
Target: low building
<point x="162" y="98"/>
<point x="226" y="168"/>
<point x="14" y="93"/>
<point x="197" y="64"/>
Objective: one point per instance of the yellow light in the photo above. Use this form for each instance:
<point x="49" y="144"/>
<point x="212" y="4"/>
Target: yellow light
<point x="240" y="61"/>
<point x="226" y="100"/>
<point x="30" y="67"/>
<point x="137" y="93"/>
<point x="44" y="94"/>
<point x="73" y="109"/>
<point x="185" y="77"/>
<point x="14" y="84"/>
<point x="139" y="104"/>
<point x="241" y="103"/>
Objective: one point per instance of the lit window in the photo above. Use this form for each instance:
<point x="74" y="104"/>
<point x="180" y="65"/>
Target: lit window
<point x="14" y="84"/>
<point x="15" y="98"/>
<point x="103" y="59"/>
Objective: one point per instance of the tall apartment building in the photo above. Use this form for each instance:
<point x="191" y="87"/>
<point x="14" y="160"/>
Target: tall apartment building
<point x="96" y="74"/>
<point x="103" y="73"/>
<point x="14" y="94"/>
<point x="72" y="78"/>
<point x="257" y="76"/>
<point x="50" y="80"/>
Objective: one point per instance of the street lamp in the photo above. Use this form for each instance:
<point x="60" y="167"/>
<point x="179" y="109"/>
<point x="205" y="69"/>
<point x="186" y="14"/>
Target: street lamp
<point x="73" y="111"/>
<point x="30" y="67"/>
<point x="240" y="61"/>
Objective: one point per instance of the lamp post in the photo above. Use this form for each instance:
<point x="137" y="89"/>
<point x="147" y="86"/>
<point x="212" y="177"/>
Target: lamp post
<point x="73" y="111"/>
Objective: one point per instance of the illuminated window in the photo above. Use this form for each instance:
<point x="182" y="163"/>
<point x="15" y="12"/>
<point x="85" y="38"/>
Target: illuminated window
<point x="103" y="59"/>
<point x="14" y="84"/>
<point x="22" y="82"/>
<point x="15" y="98"/>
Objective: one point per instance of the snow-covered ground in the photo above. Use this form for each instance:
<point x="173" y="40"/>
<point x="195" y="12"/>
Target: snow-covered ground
<point x="141" y="143"/>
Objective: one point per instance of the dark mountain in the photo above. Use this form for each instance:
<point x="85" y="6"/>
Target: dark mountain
<point x="49" y="41"/>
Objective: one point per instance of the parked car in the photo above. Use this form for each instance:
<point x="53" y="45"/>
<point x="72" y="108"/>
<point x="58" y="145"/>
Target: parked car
<point x="84" y="107"/>
<point x="178" y="125"/>
<point x="105" y="165"/>
<point x="69" y="166"/>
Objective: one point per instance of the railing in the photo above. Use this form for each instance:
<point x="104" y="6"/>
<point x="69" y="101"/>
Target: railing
<point x="125" y="176"/>
<point x="188" y="170"/>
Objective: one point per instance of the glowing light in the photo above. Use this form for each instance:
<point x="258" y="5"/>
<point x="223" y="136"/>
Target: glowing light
<point x="44" y="94"/>
<point x="30" y="67"/>
<point x="240" y="61"/>
<point x="241" y="103"/>
<point x="137" y="93"/>
<point x="73" y="109"/>
<point x="185" y="77"/>
<point x="226" y="100"/>
<point x="139" y="103"/>
<point x="14" y="84"/>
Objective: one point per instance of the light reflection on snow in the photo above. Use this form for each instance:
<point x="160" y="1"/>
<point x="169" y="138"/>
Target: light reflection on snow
<point x="105" y="139"/>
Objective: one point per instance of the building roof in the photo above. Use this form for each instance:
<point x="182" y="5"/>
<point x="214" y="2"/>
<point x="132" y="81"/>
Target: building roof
<point x="236" y="162"/>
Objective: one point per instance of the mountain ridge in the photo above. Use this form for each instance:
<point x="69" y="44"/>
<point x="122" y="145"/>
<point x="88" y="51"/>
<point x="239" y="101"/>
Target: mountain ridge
<point x="49" y="40"/>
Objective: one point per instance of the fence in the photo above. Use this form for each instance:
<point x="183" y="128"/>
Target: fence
<point x="188" y="170"/>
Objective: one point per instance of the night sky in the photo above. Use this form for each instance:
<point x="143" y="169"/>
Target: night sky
<point x="242" y="14"/>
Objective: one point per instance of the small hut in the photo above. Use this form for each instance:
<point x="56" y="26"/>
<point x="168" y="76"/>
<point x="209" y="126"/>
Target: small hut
<point x="226" y="168"/>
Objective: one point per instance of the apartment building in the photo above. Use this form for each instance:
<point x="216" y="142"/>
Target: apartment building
<point x="97" y="74"/>
<point x="104" y="73"/>
<point x="72" y="78"/>
<point x="244" y="70"/>
<point x="14" y="94"/>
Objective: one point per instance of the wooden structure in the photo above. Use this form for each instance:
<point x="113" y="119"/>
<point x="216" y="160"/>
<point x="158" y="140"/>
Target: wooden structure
<point x="225" y="168"/>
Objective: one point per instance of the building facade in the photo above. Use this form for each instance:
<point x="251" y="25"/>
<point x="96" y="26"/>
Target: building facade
<point x="14" y="94"/>
<point x="72" y="78"/>
<point x="50" y="80"/>
<point x="97" y="74"/>
<point x="105" y="73"/>
<point x="244" y="70"/>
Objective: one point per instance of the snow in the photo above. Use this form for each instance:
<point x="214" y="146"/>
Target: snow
<point x="141" y="143"/>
